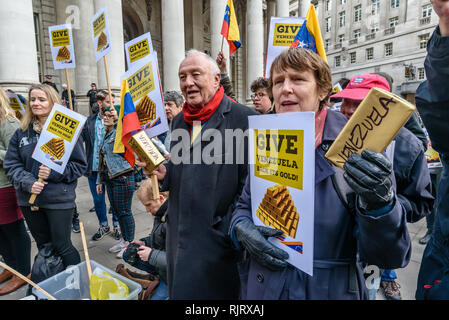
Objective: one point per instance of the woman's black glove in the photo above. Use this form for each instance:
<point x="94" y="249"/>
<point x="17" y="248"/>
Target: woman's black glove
<point x="254" y="239"/>
<point x="369" y="176"/>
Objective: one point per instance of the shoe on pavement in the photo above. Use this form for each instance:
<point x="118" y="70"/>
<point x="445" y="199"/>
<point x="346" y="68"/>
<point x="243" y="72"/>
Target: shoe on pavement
<point x="14" y="284"/>
<point x="5" y="276"/>
<point x="391" y="290"/>
<point x="120" y="253"/>
<point x="122" y="244"/>
<point x="116" y="233"/>
<point x="92" y="210"/>
<point x="425" y="239"/>
<point x="76" y="225"/>
<point x="102" y="231"/>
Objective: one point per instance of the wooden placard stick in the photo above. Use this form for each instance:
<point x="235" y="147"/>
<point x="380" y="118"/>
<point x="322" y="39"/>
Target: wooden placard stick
<point x="68" y="88"/>
<point x="33" y="198"/>
<point x="155" y="188"/>
<point x="106" y="69"/>
<point x="86" y="253"/>
<point x="26" y="280"/>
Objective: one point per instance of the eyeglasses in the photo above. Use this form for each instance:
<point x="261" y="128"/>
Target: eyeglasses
<point x="108" y="116"/>
<point x="260" y="95"/>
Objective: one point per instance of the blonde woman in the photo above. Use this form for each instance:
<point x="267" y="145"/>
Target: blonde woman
<point x="56" y="195"/>
<point x="15" y="244"/>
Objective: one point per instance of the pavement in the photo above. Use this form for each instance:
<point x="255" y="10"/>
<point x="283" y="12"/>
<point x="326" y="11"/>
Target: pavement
<point x="98" y="250"/>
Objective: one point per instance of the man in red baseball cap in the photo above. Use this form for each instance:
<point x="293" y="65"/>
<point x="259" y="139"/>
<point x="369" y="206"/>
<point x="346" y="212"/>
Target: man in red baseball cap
<point x="357" y="89"/>
<point x="413" y="182"/>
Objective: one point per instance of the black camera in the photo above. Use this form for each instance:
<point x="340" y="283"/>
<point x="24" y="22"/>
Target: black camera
<point x="130" y="253"/>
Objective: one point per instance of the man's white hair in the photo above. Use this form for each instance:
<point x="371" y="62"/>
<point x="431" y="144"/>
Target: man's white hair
<point x="213" y="64"/>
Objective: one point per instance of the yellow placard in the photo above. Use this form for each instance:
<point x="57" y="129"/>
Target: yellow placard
<point x="279" y="156"/>
<point x="60" y="38"/>
<point x="14" y="104"/>
<point x="374" y="124"/>
<point x="63" y="126"/>
<point x="138" y="50"/>
<point x="284" y="34"/>
<point x="99" y="24"/>
<point x="141" y="82"/>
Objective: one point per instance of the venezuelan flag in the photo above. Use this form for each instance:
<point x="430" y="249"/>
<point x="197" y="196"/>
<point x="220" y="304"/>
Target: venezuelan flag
<point x="230" y="28"/>
<point x="309" y="35"/>
<point x="127" y="124"/>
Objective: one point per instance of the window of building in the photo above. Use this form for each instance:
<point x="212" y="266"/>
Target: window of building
<point x="341" y="38"/>
<point x="342" y="1"/>
<point x="421" y="74"/>
<point x="326" y="43"/>
<point x="374" y="28"/>
<point x="388" y="49"/>
<point x="375" y="6"/>
<point x="356" y="34"/>
<point x="426" y="10"/>
<point x="394" y="3"/>
<point x="423" y="40"/>
<point x="353" y="57"/>
<point x="328" y="24"/>
<point x="393" y="22"/>
<point x="358" y="13"/>
<point x="328" y="5"/>
<point x="337" y="61"/>
<point x="37" y="35"/>
<point x="342" y="18"/>
<point x="369" y="54"/>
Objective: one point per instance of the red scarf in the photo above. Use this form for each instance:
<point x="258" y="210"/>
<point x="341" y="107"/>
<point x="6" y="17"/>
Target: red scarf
<point x="320" y="119"/>
<point x="202" y="114"/>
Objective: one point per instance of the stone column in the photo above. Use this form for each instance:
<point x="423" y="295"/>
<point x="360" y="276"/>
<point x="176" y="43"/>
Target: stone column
<point x="303" y="5"/>
<point x="255" y="27"/>
<point x="282" y="8"/>
<point x="115" y="58"/>
<point x="173" y="43"/>
<point x="18" y="55"/>
<point x="217" y="11"/>
<point x="78" y="13"/>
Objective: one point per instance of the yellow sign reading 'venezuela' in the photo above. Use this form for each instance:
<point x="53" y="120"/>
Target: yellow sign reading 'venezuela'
<point x="279" y="156"/>
<point x="138" y="50"/>
<point x="63" y="126"/>
<point x="284" y="34"/>
<point x="60" y="38"/>
<point x="141" y="82"/>
<point x="99" y="24"/>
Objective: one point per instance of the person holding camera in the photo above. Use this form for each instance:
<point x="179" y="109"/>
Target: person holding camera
<point x="148" y="254"/>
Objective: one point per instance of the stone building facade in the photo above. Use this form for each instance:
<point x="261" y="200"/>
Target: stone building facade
<point x="363" y="36"/>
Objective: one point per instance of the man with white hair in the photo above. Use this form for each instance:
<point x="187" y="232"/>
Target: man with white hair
<point x="201" y="261"/>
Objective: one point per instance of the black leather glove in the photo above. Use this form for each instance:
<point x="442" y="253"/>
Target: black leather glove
<point x="253" y="238"/>
<point x="369" y="176"/>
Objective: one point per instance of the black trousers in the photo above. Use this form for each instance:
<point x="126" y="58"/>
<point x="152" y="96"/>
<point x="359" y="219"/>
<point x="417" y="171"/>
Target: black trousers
<point x="15" y="246"/>
<point x="54" y="226"/>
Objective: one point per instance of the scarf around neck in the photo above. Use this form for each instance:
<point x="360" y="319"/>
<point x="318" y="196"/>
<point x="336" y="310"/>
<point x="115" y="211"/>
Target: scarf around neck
<point x="320" y="119"/>
<point x="203" y="114"/>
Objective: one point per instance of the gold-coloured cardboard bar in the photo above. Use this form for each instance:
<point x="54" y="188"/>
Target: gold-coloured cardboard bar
<point x="374" y="124"/>
<point x="146" y="150"/>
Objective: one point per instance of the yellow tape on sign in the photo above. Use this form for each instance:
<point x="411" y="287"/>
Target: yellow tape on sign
<point x="141" y="82"/>
<point x="138" y="50"/>
<point x="284" y="34"/>
<point x="99" y="24"/>
<point x="63" y="126"/>
<point x="60" y="38"/>
<point x="279" y="156"/>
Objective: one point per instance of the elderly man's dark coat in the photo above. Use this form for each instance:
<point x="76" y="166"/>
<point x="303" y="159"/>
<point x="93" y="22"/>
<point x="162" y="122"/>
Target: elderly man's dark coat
<point x="201" y="262"/>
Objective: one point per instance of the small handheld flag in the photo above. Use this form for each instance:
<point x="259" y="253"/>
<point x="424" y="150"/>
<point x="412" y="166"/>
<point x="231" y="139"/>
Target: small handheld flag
<point x="309" y="35"/>
<point x="230" y="28"/>
<point x="127" y="124"/>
